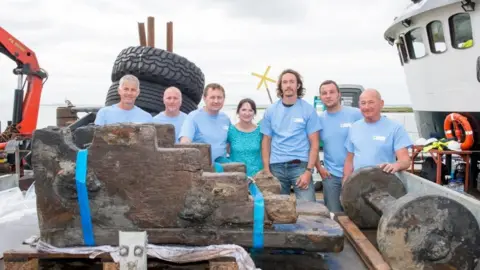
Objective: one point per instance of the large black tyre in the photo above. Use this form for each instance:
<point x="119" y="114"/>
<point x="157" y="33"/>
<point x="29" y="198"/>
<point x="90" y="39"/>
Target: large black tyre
<point x="162" y="67"/>
<point x="150" y="98"/>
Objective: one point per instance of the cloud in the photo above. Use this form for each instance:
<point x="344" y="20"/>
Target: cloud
<point x="270" y="12"/>
<point x="77" y="43"/>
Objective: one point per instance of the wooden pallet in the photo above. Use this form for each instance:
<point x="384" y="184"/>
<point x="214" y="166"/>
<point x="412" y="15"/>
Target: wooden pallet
<point x="29" y="259"/>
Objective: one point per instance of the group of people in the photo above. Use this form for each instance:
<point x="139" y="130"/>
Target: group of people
<point x="285" y="143"/>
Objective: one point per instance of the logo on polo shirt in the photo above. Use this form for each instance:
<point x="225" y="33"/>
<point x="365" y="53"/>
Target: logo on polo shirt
<point x="379" y="138"/>
<point x="298" y="120"/>
<point x="345" y="125"/>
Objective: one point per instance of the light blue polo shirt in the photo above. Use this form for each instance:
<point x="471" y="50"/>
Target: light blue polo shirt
<point x="201" y="127"/>
<point x="176" y="121"/>
<point x="333" y="133"/>
<point x="289" y="128"/>
<point x="376" y="143"/>
<point x="115" y="115"/>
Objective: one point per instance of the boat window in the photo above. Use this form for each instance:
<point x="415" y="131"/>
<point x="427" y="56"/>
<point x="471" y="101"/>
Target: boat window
<point x="436" y="37"/>
<point x="415" y="45"/>
<point x="461" y="31"/>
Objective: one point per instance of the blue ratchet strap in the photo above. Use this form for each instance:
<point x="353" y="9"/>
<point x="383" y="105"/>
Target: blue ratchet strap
<point x="82" y="194"/>
<point x="217" y="167"/>
<point x="258" y="216"/>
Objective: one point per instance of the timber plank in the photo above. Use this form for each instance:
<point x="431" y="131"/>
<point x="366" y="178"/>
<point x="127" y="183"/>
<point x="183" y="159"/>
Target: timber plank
<point x="310" y="233"/>
<point x="372" y="258"/>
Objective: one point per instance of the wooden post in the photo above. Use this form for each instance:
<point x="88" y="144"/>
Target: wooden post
<point x="141" y="34"/>
<point x="151" y="31"/>
<point x="170" y="36"/>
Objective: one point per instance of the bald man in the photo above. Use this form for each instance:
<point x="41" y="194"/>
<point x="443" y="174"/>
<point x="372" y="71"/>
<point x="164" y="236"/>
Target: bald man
<point x="376" y="140"/>
<point x="172" y="98"/>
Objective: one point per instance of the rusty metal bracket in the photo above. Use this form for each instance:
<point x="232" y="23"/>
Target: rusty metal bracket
<point x="133" y="250"/>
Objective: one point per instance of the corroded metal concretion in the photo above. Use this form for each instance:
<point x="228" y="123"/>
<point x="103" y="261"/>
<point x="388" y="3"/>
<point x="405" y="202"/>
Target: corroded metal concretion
<point x="428" y="232"/>
<point x="137" y="179"/>
<point x="358" y="188"/>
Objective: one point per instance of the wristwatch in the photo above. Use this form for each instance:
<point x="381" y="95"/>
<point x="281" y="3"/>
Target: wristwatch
<point x="312" y="170"/>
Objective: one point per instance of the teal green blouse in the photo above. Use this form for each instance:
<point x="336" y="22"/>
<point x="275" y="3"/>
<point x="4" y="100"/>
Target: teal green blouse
<point x="246" y="147"/>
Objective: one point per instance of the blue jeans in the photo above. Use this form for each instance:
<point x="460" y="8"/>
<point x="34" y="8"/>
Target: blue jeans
<point x="332" y="188"/>
<point x="288" y="174"/>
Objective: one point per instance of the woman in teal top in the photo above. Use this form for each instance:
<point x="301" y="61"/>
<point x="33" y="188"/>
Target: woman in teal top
<point x="244" y="138"/>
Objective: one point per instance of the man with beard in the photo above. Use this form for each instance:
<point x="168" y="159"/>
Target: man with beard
<point x="335" y="123"/>
<point x="290" y="138"/>
<point x="172" y="98"/>
<point x="125" y="111"/>
<point x="208" y="124"/>
<point x="376" y="140"/>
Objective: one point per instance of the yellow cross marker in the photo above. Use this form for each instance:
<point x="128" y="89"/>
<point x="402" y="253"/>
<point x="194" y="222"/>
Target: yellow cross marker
<point x="263" y="81"/>
<point x="263" y="78"/>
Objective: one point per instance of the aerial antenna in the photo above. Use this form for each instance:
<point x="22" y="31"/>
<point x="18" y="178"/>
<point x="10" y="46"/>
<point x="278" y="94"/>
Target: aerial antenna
<point x="263" y="81"/>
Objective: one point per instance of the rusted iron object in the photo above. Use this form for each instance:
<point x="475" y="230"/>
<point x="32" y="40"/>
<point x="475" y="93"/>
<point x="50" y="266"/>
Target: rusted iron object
<point x="139" y="179"/>
<point x="170" y="36"/>
<point x="415" y="231"/>
<point x="141" y="34"/>
<point x="151" y="32"/>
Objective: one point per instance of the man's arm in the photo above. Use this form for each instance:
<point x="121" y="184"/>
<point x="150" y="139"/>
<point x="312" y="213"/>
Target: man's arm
<point x="266" y="143"/>
<point x="403" y="158"/>
<point x="401" y="143"/>
<point x="348" y="166"/>
<point x="266" y="130"/>
<point x="187" y="132"/>
<point x="313" y="154"/>
<point x="318" y="165"/>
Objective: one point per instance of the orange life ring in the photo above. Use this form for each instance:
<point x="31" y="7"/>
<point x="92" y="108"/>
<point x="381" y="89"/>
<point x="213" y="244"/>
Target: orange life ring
<point x="456" y="119"/>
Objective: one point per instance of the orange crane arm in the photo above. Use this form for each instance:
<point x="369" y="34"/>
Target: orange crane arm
<point x="25" y="112"/>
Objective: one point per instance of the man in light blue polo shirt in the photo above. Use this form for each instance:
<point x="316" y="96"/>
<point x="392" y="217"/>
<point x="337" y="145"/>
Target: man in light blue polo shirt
<point x="208" y="124"/>
<point x="290" y="143"/>
<point x="335" y="123"/>
<point x="124" y="111"/>
<point x="376" y="140"/>
<point x="172" y="98"/>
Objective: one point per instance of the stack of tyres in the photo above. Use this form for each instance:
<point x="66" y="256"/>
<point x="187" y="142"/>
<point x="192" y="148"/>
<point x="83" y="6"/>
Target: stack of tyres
<point x="157" y="70"/>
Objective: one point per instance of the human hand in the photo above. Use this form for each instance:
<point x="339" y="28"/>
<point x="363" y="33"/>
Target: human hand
<point x="304" y="180"/>
<point x="267" y="172"/>
<point x="390" y="167"/>
<point x="324" y="173"/>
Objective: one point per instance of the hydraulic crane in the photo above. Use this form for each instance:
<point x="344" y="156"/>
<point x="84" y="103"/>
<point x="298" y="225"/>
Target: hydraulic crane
<point x="25" y="106"/>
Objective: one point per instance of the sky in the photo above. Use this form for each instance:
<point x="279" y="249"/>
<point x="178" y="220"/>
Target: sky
<point x="77" y="42"/>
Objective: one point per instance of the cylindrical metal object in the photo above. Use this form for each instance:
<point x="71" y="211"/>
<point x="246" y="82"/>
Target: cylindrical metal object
<point x="415" y="231"/>
<point x="17" y="106"/>
<point x="151" y="32"/>
<point x="379" y="201"/>
<point x="141" y="34"/>
<point x="170" y="36"/>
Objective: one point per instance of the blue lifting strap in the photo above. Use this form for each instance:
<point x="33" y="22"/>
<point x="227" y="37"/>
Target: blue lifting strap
<point x="258" y="216"/>
<point x="82" y="194"/>
<point x="217" y="167"/>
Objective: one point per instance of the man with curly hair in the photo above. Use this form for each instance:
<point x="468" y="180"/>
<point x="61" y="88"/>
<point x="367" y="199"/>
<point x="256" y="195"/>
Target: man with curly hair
<point x="290" y="129"/>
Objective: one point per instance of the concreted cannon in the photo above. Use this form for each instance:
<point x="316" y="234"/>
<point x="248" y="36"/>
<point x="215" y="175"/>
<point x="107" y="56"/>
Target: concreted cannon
<point x="414" y="231"/>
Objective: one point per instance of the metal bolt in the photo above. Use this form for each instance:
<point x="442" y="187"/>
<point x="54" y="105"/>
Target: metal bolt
<point x="123" y="251"/>
<point x="138" y="251"/>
